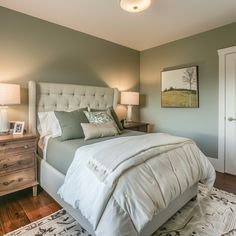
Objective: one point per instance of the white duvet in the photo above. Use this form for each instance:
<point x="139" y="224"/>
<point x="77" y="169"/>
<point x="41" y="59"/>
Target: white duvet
<point x="120" y="184"/>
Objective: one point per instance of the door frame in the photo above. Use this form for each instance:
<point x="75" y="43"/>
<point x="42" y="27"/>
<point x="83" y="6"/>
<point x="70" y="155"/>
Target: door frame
<point x="220" y="162"/>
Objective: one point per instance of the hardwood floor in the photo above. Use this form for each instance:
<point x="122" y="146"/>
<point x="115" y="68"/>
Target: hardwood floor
<point x="21" y="208"/>
<point x="226" y="182"/>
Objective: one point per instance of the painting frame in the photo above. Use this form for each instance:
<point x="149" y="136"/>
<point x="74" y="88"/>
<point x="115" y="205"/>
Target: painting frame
<point x="11" y="126"/>
<point x="180" y="87"/>
<point x="19" y="127"/>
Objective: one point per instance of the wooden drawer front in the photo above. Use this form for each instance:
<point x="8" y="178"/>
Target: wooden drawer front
<point x="18" y="146"/>
<point x="17" y="180"/>
<point x="143" y="128"/>
<point x="134" y="128"/>
<point x="16" y="162"/>
<point x="10" y="148"/>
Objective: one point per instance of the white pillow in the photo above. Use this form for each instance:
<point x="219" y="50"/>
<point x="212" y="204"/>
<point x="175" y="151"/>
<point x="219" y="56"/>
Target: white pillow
<point x="49" y="124"/>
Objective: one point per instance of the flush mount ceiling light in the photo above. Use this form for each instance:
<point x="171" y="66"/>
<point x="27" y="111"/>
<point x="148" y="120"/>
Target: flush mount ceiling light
<point x="134" y="5"/>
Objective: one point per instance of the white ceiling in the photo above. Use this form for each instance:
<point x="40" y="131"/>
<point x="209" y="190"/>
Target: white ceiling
<point x="164" y="21"/>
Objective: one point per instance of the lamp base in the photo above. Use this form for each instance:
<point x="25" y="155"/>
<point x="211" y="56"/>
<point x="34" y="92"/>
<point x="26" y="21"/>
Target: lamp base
<point x="129" y="113"/>
<point x="3" y="120"/>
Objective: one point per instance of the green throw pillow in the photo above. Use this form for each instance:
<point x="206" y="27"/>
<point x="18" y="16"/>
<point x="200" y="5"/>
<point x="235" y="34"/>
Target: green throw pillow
<point x="70" y="123"/>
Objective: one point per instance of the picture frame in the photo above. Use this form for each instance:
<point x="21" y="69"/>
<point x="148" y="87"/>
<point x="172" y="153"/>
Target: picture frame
<point x="180" y="88"/>
<point x="19" y="127"/>
<point x="11" y="126"/>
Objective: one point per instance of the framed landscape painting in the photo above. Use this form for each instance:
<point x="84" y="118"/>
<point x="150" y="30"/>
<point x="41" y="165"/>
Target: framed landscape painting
<point x="179" y="88"/>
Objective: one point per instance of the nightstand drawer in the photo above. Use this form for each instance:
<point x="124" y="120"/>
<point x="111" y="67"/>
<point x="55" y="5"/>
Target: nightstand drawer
<point x="143" y="128"/>
<point x="12" y="182"/>
<point x="16" y="162"/>
<point x="137" y="126"/>
<point x="18" y="165"/>
<point x="9" y="148"/>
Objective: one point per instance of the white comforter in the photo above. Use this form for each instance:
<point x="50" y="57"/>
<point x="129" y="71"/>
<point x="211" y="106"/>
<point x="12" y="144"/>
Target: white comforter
<point x="120" y="184"/>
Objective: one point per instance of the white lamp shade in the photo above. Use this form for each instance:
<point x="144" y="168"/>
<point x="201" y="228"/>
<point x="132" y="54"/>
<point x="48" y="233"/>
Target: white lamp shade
<point x="134" y="5"/>
<point x="9" y="94"/>
<point x="130" y="98"/>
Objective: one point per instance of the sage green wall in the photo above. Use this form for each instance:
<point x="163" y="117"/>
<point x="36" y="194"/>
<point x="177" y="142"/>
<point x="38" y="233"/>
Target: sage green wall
<point x="33" y="49"/>
<point x="199" y="124"/>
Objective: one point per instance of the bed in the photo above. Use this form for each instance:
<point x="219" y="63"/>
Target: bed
<point x="55" y="96"/>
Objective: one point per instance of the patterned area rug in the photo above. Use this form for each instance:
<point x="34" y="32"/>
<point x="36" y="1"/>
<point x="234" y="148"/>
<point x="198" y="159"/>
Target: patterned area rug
<point x="211" y="214"/>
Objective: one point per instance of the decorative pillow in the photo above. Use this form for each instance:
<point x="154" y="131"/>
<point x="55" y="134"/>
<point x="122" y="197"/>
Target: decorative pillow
<point x="92" y="130"/>
<point x="114" y="115"/>
<point x="48" y="124"/>
<point x="99" y="117"/>
<point x="70" y="123"/>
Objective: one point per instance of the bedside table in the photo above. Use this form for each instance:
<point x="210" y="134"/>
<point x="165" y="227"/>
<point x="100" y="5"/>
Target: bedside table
<point x="18" y="165"/>
<point x="138" y="126"/>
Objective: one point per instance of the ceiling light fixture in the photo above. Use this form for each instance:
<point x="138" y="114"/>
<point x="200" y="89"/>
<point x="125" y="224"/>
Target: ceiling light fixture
<point x="135" y="5"/>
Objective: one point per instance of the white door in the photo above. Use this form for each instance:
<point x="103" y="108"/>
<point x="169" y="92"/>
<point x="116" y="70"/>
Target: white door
<point x="230" y="113"/>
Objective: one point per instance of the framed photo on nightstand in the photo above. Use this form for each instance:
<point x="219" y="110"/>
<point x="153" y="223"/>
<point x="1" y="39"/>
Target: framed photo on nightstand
<point x="19" y="127"/>
<point x="11" y="126"/>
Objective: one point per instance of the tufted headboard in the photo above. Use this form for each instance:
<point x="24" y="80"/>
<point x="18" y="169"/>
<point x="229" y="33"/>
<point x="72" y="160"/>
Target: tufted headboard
<point x="66" y="97"/>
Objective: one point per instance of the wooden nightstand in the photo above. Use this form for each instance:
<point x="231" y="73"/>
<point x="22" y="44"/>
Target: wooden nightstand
<point x="138" y="126"/>
<point x="18" y="165"/>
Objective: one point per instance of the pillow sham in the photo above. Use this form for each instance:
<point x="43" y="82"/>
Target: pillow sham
<point x="99" y="117"/>
<point x="92" y="130"/>
<point x="114" y="115"/>
<point x="48" y="124"/>
<point x="70" y="123"/>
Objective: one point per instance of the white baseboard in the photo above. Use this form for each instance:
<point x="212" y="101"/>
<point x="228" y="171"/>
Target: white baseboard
<point x="217" y="163"/>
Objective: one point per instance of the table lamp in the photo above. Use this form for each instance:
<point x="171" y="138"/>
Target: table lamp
<point x="130" y="99"/>
<point x="9" y="95"/>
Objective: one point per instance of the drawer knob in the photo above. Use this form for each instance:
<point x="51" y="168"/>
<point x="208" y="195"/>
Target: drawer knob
<point x="4" y="166"/>
<point x="20" y="179"/>
<point x="26" y="146"/>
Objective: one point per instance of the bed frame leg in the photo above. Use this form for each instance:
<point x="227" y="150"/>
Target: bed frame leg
<point x="35" y="190"/>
